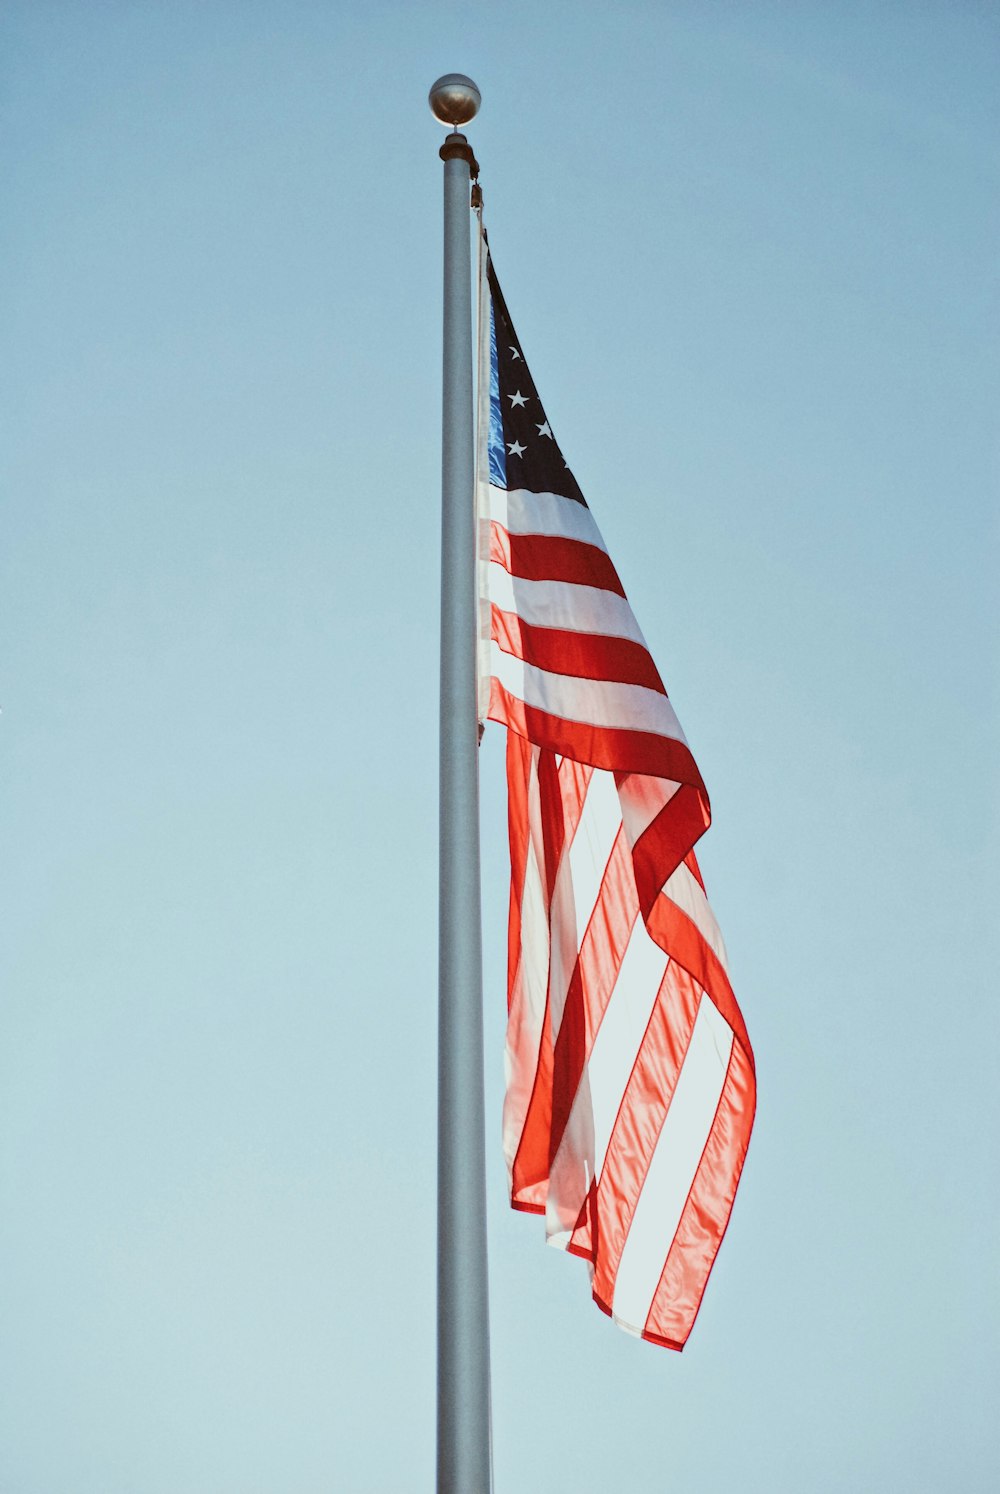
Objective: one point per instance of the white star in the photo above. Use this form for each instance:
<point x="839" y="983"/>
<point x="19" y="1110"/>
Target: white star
<point x="543" y="430"/>
<point x="517" y="355"/>
<point x="517" y="399"/>
<point x="516" y="449"/>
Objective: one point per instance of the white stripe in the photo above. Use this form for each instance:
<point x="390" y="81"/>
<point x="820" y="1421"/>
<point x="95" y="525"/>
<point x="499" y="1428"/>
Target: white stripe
<point x="673" y="1167"/>
<point x="497" y="499"/>
<point x="577" y="885"/>
<point x="593" y="842"/>
<point x="684" y="889"/>
<point x="565" y="943"/>
<point x="521" y="512"/>
<point x="589" y="853"/>
<point x="625" y="1020"/>
<point x="563" y="604"/>
<point x="603" y="703"/>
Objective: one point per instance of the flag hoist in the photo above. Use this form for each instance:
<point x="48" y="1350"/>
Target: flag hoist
<point x="630" y="1076"/>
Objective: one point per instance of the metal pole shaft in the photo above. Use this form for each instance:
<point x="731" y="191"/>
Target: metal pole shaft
<point x="463" y="1374"/>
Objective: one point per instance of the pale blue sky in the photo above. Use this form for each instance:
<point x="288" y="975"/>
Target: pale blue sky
<point x="751" y="255"/>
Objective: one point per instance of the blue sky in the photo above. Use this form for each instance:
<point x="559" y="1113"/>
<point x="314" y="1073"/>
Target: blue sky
<point x="751" y="255"/>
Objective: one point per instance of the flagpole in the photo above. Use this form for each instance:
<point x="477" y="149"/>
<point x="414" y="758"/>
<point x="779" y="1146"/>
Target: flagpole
<point x="463" y="1354"/>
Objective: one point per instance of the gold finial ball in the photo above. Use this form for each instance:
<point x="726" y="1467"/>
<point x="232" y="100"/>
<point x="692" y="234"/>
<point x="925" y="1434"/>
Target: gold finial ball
<point x="454" y="100"/>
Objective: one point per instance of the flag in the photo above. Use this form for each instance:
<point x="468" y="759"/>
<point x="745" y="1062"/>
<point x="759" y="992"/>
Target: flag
<point x="630" y="1077"/>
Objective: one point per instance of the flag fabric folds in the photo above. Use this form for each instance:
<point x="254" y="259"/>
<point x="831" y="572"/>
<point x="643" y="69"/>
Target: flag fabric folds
<point x="630" y="1076"/>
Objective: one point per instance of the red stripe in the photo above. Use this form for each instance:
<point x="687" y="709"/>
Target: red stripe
<point x="602" y="746"/>
<point x="561" y="796"/>
<point x="531" y="1161"/>
<point x="530" y="1168"/>
<point x="585" y="656"/>
<point x="674" y="932"/>
<point x="523" y="1040"/>
<point x="665" y="843"/>
<point x="553" y="825"/>
<point x="552" y="557"/>
<point x="518" y="762"/>
<point x="602" y="949"/>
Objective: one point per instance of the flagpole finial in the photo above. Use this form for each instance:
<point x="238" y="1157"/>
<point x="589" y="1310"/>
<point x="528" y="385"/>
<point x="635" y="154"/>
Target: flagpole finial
<point x="454" y="100"/>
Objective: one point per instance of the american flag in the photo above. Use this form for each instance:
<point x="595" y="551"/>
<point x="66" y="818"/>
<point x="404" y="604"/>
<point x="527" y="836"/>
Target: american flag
<point x="630" y="1076"/>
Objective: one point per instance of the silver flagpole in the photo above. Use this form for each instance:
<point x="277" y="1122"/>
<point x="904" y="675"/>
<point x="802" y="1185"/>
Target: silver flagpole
<point x="463" y="1364"/>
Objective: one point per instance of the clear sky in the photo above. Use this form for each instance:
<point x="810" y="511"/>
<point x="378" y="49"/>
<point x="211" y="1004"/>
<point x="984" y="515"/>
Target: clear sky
<point x="751" y="255"/>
